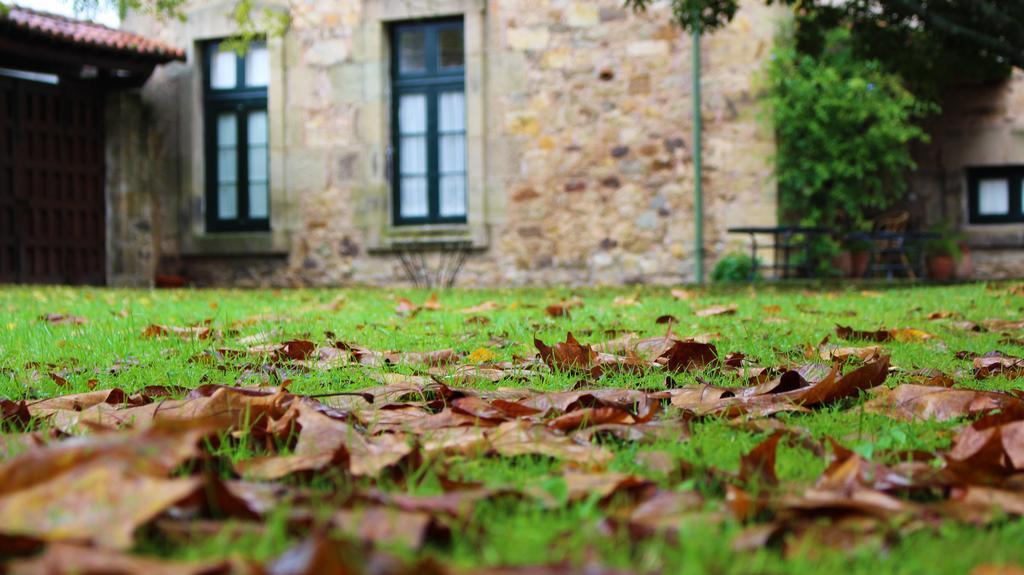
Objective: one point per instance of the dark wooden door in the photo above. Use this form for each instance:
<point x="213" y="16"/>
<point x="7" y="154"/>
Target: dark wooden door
<point x="52" y="202"/>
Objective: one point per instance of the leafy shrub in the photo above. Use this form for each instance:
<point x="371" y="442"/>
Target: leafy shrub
<point x="843" y="127"/>
<point x="946" y="243"/>
<point x="735" y="267"/>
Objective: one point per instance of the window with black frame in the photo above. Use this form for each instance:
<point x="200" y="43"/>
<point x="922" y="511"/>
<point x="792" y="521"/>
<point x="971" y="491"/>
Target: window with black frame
<point x="237" y="138"/>
<point x="996" y="194"/>
<point x="429" y="122"/>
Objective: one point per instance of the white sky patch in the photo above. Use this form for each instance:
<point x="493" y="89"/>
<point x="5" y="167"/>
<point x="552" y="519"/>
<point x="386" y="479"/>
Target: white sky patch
<point x="105" y="14"/>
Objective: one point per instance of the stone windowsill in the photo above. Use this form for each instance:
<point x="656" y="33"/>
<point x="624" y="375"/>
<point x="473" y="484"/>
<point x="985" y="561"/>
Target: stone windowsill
<point x="995" y="236"/>
<point x="236" y="244"/>
<point x="399" y="238"/>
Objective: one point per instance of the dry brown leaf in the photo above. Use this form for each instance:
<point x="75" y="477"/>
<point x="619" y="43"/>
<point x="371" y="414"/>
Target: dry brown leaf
<point x="689" y="356"/>
<point x="626" y="301"/>
<point x="842" y="353"/>
<point x="520" y="438"/>
<point x="1003" y="325"/>
<point x="63" y="319"/>
<point x="326" y="438"/>
<point x="197" y="332"/>
<point x="605" y="486"/>
<point x="568" y="355"/>
<point x="590" y="416"/>
<point x="77" y="401"/>
<point x="758" y="466"/>
<point x="562" y="308"/>
<point x="682" y="294"/>
<point x="730" y="309"/>
<point x="98" y="489"/>
<point x="997" y="363"/>
<point x="910" y="402"/>
<point x="66" y="559"/>
<point x="386" y="526"/>
<point x="482" y="308"/>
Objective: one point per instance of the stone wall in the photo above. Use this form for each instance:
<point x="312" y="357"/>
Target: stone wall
<point x="131" y="245"/>
<point x="979" y="126"/>
<point x="579" y="132"/>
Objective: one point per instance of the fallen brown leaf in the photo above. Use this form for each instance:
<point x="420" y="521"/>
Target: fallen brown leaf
<point x="63" y="319"/>
<point x="718" y="310"/>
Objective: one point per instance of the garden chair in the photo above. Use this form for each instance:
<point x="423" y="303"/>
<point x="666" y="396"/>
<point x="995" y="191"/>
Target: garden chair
<point x="889" y="253"/>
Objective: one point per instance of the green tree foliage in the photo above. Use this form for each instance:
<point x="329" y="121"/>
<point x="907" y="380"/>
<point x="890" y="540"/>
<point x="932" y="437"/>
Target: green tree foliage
<point x="843" y="128"/>
<point x="923" y="40"/>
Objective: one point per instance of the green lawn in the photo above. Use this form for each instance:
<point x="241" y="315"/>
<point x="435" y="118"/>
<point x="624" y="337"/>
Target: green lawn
<point x="772" y="327"/>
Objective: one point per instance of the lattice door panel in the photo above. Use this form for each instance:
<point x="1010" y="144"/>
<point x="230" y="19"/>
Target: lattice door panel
<point x="56" y="187"/>
<point x="8" y="208"/>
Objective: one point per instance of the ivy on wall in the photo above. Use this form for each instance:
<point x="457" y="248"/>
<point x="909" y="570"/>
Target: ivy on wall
<point x="844" y="125"/>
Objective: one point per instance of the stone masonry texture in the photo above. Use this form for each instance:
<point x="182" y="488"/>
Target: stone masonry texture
<point x="586" y="141"/>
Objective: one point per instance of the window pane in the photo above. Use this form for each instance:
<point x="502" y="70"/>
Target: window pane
<point x="452" y="112"/>
<point x="450" y="48"/>
<point x="258" y="172"/>
<point x="257" y="66"/>
<point x="258" y="196"/>
<point x="453" y="196"/>
<point x="413" y="199"/>
<point x="223" y="72"/>
<point x="413" y="156"/>
<point x="412" y="51"/>
<point x="412" y="114"/>
<point x="227" y="201"/>
<point x="227" y="166"/>
<point x="453" y="154"/>
<point x="227" y="130"/>
<point x="258" y="127"/>
<point x="994" y="197"/>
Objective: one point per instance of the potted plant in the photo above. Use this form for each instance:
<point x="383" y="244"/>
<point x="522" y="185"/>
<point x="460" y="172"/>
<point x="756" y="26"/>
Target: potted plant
<point x="942" y="254"/>
<point x="860" y="256"/>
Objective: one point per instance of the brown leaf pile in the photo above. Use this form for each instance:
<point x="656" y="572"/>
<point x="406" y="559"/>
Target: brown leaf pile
<point x="113" y="464"/>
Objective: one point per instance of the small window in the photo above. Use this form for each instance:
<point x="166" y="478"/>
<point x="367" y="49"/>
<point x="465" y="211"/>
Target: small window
<point x="237" y="138"/>
<point x="996" y="194"/>
<point x="429" y="122"/>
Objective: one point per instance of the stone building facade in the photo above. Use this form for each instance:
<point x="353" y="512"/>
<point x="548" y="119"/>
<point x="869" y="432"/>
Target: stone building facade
<point x="574" y="137"/>
<point x="978" y="139"/>
<point x="577" y="144"/>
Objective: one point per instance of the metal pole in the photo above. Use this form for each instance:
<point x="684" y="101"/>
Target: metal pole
<point x="698" y="168"/>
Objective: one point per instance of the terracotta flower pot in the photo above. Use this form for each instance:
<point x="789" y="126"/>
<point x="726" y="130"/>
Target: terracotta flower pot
<point x="843" y="263"/>
<point x="859" y="264"/>
<point x="941" y="268"/>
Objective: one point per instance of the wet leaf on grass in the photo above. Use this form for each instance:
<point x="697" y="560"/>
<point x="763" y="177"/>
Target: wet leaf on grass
<point x="196" y="332"/>
<point x="920" y="402"/>
<point x="63" y="319"/>
<point x="563" y="308"/>
<point x="717" y="310"/>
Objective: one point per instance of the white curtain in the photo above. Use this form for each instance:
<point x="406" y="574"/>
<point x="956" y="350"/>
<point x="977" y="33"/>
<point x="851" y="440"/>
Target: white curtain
<point x="258" y="172"/>
<point x="223" y="72"/>
<point x="257" y="66"/>
<point x="452" y="149"/>
<point x="412" y="131"/>
<point x="227" y="168"/>
<point x="994" y="197"/>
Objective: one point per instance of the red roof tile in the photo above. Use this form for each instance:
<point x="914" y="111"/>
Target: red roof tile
<point x="84" y="33"/>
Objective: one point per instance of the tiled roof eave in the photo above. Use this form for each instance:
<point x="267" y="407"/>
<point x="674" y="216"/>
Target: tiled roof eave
<point x="88" y="35"/>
